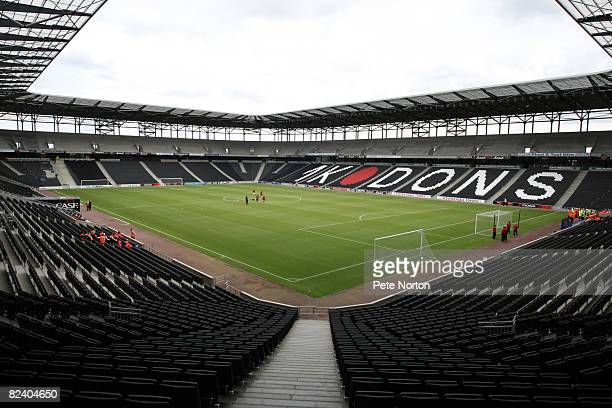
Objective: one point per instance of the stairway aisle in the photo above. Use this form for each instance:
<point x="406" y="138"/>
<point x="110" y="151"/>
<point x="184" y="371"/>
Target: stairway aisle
<point x="302" y="372"/>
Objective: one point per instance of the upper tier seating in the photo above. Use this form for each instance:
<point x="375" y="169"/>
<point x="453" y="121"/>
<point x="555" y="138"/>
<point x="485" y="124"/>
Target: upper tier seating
<point x="84" y="170"/>
<point x="128" y="172"/>
<point x="416" y="147"/>
<point x="497" y="349"/>
<point x="95" y="318"/>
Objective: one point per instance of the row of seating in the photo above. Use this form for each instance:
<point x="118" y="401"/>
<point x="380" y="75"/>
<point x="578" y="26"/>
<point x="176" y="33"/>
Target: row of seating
<point x="489" y="341"/>
<point x="119" y="327"/>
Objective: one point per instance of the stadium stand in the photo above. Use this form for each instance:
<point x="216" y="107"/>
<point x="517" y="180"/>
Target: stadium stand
<point x="329" y="173"/>
<point x="111" y="324"/>
<point x="595" y="192"/>
<point x="36" y="173"/>
<point x="205" y="171"/>
<point x="438" y="147"/>
<point x="84" y="170"/>
<point x="393" y="179"/>
<point x="251" y="169"/>
<point x="529" y="189"/>
<point x="270" y="168"/>
<point x="11" y="187"/>
<point x="438" y="349"/>
<point x="282" y="172"/>
<point x="434" y="180"/>
<point x="128" y="172"/>
<point x="482" y="184"/>
<point x="229" y="169"/>
<point x="359" y="176"/>
<point x="169" y="170"/>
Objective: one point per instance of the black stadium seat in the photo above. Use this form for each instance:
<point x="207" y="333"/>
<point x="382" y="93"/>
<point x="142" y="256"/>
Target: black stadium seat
<point x="185" y="340"/>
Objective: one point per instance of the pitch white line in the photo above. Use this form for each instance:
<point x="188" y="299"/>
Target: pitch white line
<point x="361" y="263"/>
<point x="372" y="219"/>
<point x="428" y="246"/>
<point x="122" y="221"/>
<point x="219" y="254"/>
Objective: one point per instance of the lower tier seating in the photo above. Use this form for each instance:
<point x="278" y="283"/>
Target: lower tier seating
<point x="115" y="324"/>
<point x="509" y="337"/>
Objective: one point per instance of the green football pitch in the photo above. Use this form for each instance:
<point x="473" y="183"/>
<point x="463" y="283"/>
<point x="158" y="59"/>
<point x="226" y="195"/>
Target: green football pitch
<point x="311" y="240"/>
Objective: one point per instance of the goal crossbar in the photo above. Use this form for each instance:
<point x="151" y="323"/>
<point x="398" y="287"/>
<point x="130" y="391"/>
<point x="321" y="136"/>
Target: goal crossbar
<point x="95" y="182"/>
<point x="173" y="181"/>
<point x="395" y="245"/>
<point x="484" y="222"/>
<point x="402" y="233"/>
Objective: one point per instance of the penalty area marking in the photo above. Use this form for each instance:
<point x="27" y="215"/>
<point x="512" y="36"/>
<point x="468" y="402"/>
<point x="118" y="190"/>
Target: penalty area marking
<point x="428" y="246"/>
<point x="393" y="214"/>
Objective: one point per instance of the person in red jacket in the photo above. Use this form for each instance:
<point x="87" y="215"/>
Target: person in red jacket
<point x="504" y="233"/>
<point x="515" y="230"/>
<point x="494" y="231"/>
<point x="102" y="238"/>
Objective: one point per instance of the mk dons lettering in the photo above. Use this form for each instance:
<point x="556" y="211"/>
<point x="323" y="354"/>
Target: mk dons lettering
<point x="311" y="172"/>
<point x="403" y="172"/>
<point x="450" y="173"/>
<point x="549" y="191"/>
<point x="481" y="178"/>
<point x="322" y="178"/>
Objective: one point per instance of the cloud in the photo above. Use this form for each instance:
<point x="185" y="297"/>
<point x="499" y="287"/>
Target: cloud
<point x="266" y="56"/>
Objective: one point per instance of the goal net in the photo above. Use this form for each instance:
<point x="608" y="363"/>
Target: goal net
<point x="484" y="222"/>
<point x="172" y="181"/>
<point x="95" y="182"/>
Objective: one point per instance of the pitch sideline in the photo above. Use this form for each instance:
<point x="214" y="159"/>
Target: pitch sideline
<point x="219" y="254"/>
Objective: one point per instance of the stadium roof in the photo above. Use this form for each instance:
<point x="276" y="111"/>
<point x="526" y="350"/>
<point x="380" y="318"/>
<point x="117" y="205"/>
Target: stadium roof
<point x="33" y="32"/>
<point x="592" y="91"/>
<point x="595" y="17"/>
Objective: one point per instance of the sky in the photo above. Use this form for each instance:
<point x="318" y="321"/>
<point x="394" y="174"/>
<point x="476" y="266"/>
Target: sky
<point x="271" y="56"/>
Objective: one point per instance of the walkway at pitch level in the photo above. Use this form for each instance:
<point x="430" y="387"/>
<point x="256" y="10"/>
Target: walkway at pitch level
<point x="302" y="372"/>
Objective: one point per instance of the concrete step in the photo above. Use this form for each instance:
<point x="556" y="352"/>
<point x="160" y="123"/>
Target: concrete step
<point x="63" y="174"/>
<point x="105" y="172"/>
<point x="302" y="372"/>
<point x="506" y="186"/>
<point x="260" y="171"/>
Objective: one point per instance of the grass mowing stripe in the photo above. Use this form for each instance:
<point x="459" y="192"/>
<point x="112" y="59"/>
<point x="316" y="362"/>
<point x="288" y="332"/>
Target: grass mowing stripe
<point x="268" y="239"/>
<point x="223" y="256"/>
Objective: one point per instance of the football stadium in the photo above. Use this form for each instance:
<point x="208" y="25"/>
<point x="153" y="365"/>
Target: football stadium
<point x="439" y="249"/>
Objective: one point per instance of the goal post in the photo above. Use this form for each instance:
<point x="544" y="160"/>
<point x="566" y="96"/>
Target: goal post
<point x="484" y="222"/>
<point x="409" y="244"/>
<point x="171" y="181"/>
<point x="95" y="182"/>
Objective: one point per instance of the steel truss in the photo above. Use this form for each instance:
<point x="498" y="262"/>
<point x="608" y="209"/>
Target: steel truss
<point x="33" y="33"/>
<point x="595" y="17"/>
<point x="549" y="122"/>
